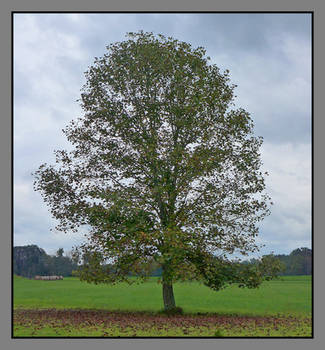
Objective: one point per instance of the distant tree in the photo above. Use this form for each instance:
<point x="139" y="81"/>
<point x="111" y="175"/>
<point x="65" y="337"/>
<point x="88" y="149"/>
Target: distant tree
<point x="32" y="260"/>
<point x="60" y="252"/>
<point x="298" y="262"/>
<point x="27" y="260"/>
<point x="162" y="169"/>
<point x="62" y="265"/>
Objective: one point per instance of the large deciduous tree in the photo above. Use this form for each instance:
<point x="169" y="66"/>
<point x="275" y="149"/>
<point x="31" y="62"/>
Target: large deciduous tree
<point x="163" y="169"/>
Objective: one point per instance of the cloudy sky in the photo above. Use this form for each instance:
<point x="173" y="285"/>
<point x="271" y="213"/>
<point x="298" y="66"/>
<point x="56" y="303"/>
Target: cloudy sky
<point x="269" y="58"/>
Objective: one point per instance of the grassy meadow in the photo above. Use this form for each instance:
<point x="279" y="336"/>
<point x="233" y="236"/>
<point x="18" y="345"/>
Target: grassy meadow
<point x="278" y="308"/>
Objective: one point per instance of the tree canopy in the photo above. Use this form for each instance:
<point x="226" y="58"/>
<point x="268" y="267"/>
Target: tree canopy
<point x="164" y="168"/>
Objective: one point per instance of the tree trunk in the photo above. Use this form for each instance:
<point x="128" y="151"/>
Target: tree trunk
<point x="168" y="296"/>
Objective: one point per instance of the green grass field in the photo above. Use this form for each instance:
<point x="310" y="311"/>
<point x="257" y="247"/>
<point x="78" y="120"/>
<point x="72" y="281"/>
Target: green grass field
<point x="287" y="297"/>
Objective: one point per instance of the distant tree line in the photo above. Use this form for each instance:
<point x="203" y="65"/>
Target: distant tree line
<point x="298" y="262"/>
<point x="30" y="260"/>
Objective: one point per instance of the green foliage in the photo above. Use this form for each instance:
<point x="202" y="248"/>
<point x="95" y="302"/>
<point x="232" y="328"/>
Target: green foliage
<point x="270" y="266"/>
<point x="30" y="261"/>
<point x="298" y="262"/>
<point x="162" y="168"/>
<point x="217" y="273"/>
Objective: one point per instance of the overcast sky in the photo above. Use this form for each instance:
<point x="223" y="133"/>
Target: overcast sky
<point x="269" y="58"/>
